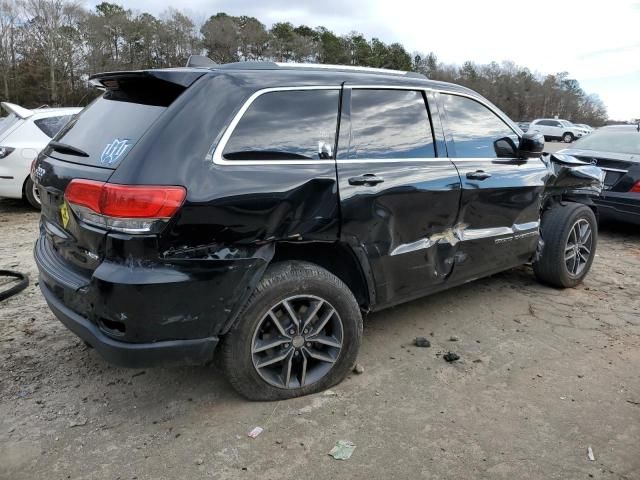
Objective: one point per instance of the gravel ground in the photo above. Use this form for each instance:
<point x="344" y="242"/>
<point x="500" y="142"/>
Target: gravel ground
<point x="544" y="374"/>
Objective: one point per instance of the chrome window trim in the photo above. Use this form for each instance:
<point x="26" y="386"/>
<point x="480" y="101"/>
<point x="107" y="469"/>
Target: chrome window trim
<point x="218" y="159"/>
<point x="217" y="153"/>
<point x="612" y="169"/>
<point x="392" y="160"/>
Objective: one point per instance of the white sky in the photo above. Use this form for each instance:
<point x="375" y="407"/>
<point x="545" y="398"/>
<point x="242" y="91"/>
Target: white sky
<point x="596" y="41"/>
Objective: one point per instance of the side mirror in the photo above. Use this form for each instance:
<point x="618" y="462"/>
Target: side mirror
<point x="531" y="145"/>
<point x="505" y="147"/>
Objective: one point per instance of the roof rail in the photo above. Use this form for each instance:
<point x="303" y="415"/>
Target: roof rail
<point x="259" y="65"/>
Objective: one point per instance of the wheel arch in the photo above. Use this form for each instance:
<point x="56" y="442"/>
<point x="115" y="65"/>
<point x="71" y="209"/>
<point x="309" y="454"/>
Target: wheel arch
<point x="337" y="258"/>
<point x="584" y="199"/>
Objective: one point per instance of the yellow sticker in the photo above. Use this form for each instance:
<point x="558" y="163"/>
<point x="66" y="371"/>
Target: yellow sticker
<point x="64" y="214"/>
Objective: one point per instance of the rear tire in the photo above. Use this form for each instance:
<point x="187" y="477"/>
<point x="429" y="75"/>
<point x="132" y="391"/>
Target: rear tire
<point x="570" y="235"/>
<point x="308" y="355"/>
<point x="568" y="137"/>
<point x="31" y="194"/>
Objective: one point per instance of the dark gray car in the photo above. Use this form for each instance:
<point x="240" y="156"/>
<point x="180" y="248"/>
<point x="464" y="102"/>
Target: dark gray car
<point x="616" y="150"/>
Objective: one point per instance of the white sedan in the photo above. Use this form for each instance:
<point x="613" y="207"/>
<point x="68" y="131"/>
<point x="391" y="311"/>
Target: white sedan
<point x="23" y="134"/>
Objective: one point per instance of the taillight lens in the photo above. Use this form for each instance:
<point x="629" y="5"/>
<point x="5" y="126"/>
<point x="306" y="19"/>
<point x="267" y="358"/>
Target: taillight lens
<point x="636" y="187"/>
<point x="125" y="208"/>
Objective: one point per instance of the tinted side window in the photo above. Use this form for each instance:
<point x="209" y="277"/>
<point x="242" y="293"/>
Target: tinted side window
<point x="545" y="123"/>
<point x="474" y="127"/>
<point x="287" y="125"/>
<point x="52" y="125"/>
<point x="389" y="124"/>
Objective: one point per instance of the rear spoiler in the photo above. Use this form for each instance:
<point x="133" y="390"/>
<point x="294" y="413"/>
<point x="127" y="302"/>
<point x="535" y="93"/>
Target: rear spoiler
<point x="16" y="109"/>
<point x="181" y="77"/>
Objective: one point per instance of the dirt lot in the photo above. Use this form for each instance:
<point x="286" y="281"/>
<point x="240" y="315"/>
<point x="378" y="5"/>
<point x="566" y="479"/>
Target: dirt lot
<point x="543" y="375"/>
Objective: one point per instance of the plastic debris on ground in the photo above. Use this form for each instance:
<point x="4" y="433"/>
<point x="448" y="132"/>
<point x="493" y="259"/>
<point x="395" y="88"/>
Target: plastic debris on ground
<point x="359" y="369"/>
<point x="342" y="450"/>
<point x="590" y="454"/>
<point x="451" y="357"/>
<point x="255" y="432"/>
<point x="421" y="342"/>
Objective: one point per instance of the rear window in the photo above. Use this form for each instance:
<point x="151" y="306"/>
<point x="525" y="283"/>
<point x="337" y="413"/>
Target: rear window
<point x="52" y="125"/>
<point x="611" y="141"/>
<point x="112" y="124"/>
<point x="107" y="130"/>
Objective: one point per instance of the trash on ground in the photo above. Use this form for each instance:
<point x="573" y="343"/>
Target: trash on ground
<point x="342" y="450"/>
<point x="590" y="454"/>
<point x="453" y="338"/>
<point x="421" y="342"/>
<point x="80" y="422"/>
<point x="255" y="432"/>
<point x="451" y="357"/>
<point x="359" y="369"/>
<point x="329" y="393"/>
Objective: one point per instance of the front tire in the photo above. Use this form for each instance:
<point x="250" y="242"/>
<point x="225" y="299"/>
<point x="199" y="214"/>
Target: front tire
<point x="31" y="194"/>
<point x="298" y="334"/>
<point x="570" y="236"/>
<point x="568" y="137"/>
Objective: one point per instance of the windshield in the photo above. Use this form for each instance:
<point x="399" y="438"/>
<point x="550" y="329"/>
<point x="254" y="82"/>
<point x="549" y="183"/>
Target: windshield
<point x="611" y="141"/>
<point x="566" y="123"/>
<point x="7" y="123"/>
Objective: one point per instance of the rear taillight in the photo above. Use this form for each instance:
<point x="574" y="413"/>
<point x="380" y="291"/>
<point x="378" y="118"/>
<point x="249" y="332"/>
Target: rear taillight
<point x="5" y="151"/>
<point x="124" y="208"/>
<point x="636" y="187"/>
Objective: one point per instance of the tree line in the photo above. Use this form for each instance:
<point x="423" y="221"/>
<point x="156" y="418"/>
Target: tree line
<point x="49" y="48"/>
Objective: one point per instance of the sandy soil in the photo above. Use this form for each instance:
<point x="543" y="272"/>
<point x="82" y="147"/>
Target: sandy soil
<point x="544" y="374"/>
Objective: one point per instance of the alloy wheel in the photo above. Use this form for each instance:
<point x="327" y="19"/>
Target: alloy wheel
<point x="578" y="248"/>
<point x="36" y="193"/>
<point x="297" y="342"/>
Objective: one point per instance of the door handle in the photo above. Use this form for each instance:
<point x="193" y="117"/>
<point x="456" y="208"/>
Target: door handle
<point x="368" y="179"/>
<point x="478" y="175"/>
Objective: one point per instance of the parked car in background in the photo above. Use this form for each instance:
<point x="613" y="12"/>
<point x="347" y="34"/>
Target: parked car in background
<point x="524" y="126"/>
<point x="555" y="129"/>
<point x="584" y="126"/>
<point x="265" y="231"/>
<point x="23" y="134"/>
<point x="616" y="150"/>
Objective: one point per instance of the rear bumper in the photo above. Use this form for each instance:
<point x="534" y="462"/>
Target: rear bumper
<point x="622" y="207"/>
<point x="140" y="314"/>
<point x="135" y="355"/>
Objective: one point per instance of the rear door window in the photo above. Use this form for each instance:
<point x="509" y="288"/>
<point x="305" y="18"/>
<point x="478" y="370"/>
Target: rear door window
<point x="52" y="125"/>
<point x="389" y="124"/>
<point x="286" y="125"/>
<point x="474" y="127"/>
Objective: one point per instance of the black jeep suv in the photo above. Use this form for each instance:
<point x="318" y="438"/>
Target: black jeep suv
<point x="256" y="211"/>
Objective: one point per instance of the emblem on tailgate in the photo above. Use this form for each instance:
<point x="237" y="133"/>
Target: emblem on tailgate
<point x="114" y="151"/>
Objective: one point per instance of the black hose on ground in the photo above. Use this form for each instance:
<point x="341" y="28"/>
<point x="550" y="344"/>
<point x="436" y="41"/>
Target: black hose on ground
<point x="18" y="287"/>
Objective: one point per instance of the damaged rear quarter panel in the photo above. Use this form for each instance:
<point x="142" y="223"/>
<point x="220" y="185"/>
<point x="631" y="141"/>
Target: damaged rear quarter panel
<point x="177" y="297"/>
